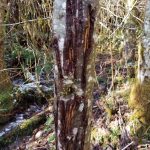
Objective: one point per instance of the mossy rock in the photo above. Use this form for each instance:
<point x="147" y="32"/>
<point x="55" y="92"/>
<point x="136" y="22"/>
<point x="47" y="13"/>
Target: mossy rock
<point x="6" y="105"/>
<point x="140" y="101"/>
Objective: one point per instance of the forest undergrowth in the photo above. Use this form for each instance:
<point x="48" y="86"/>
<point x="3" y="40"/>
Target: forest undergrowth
<point x="120" y="104"/>
<point x="113" y="126"/>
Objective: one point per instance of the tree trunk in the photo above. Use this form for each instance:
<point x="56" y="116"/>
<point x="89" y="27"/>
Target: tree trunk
<point x="144" y="71"/>
<point x="140" y="94"/>
<point x="73" y="23"/>
<point x="130" y="36"/>
<point x="4" y="78"/>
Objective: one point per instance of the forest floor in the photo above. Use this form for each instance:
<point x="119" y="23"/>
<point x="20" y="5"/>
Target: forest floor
<point x="112" y="123"/>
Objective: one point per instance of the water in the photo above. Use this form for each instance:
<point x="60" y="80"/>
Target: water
<point x="18" y="119"/>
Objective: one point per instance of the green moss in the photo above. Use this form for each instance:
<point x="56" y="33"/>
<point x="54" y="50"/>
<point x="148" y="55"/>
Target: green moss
<point x="139" y="101"/>
<point x="51" y="138"/>
<point x="24" y="53"/>
<point x="110" y="107"/>
<point x="49" y="125"/>
<point x="28" y="125"/>
<point x="6" y="105"/>
<point x="24" y="129"/>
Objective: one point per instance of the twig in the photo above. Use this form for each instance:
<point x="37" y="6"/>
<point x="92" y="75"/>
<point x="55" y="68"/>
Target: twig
<point x="128" y="145"/>
<point x="22" y="22"/>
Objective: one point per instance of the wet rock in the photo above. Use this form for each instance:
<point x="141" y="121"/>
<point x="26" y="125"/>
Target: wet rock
<point x="7" y="129"/>
<point x="18" y="82"/>
<point x="19" y="121"/>
<point x="20" y="117"/>
<point x="2" y="133"/>
<point x="38" y="134"/>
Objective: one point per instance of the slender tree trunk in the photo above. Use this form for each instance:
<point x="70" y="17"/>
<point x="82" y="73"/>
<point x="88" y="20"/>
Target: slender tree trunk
<point x="4" y="78"/>
<point x="144" y="70"/>
<point x="140" y="93"/>
<point x="73" y="23"/>
<point x="130" y="36"/>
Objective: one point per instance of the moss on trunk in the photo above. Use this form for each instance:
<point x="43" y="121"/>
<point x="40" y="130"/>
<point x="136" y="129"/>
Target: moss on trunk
<point x="140" y="101"/>
<point x="140" y="93"/>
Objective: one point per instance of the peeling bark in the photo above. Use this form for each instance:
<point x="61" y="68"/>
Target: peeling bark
<point x="74" y="74"/>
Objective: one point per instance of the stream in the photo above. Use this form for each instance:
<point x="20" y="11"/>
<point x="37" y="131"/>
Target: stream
<point x="31" y="92"/>
<point x="19" y="118"/>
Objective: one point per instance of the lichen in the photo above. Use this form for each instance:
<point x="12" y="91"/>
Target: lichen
<point x="75" y="131"/>
<point x="81" y="107"/>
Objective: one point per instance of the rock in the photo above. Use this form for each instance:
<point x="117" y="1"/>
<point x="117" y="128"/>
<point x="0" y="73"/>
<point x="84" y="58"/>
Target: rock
<point x="50" y="108"/>
<point x="17" y="82"/>
<point x="19" y="121"/>
<point x="7" y="129"/>
<point x="2" y="133"/>
<point x="38" y="134"/>
<point x="20" y="117"/>
<point x="22" y="147"/>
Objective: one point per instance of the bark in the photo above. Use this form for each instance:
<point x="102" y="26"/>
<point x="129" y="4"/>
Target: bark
<point x="144" y="70"/>
<point x="140" y="93"/>
<point x="4" y="78"/>
<point x="73" y="23"/>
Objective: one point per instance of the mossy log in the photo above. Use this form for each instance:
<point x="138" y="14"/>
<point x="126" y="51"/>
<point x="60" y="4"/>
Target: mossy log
<point x="23" y="129"/>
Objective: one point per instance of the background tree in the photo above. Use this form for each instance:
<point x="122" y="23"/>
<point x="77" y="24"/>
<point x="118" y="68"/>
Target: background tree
<point x="73" y="23"/>
<point x="140" y="94"/>
<point x="130" y="34"/>
<point x="5" y="82"/>
<point x="6" y="103"/>
<point x="31" y="36"/>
